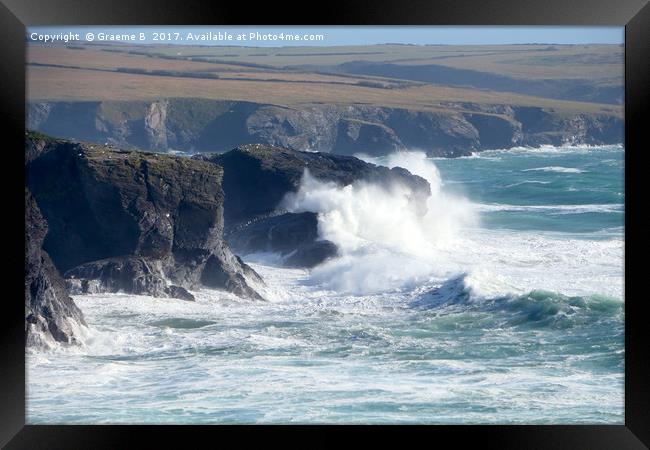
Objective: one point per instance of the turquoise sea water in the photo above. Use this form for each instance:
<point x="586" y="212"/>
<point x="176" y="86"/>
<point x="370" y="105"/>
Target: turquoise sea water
<point x="503" y="305"/>
<point x="575" y="191"/>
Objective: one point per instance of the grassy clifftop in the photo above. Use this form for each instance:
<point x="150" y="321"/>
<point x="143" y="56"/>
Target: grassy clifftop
<point x="422" y="78"/>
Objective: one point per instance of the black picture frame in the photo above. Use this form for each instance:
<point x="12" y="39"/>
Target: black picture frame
<point x="633" y="14"/>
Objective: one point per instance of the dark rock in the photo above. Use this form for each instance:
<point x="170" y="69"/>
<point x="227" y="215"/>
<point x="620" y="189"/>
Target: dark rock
<point x="217" y="274"/>
<point x="311" y="254"/>
<point x="282" y="233"/>
<point x="293" y="235"/>
<point x="132" y="275"/>
<point x="180" y="293"/>
<point x="105" y="204"/>
<point x="50" y="313"/>
<point x="257" y="177"/>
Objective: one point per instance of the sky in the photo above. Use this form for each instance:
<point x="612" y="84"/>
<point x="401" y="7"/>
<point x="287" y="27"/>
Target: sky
<point x="358" y="35"/>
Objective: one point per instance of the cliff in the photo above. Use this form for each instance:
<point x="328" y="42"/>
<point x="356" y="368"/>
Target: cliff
<point x="50" y="313"/>
<point x="143" y="223"/>
<point x="134" y="222"/>
<point x="258" y="177"/>
<point x="201" y="125"/>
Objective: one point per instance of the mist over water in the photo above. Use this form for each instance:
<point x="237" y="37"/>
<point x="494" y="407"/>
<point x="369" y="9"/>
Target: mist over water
<point x="502" y="304"/>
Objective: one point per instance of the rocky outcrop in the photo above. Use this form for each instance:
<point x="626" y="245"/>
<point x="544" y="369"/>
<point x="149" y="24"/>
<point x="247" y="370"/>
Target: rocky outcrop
<point x="436" y="133"/>
<point x="134" y="222"/>
<point x="134" y="275"/>
<point x="494" y="131"/>
<point x="293" y="235"/>
<point x="50" y="313"/>
<point x="281" y="233"/>
<point x="218" y="274"/>
<point x="311" y="254"/>
<point x="541" y="127"/>
<point x="200" y="125"/>
<point x="258" y="177"/>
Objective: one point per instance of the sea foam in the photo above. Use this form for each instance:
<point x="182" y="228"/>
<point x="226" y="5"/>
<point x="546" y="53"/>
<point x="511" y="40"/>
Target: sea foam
<point x="385" y="245"/>
<point x="383" y="241"/>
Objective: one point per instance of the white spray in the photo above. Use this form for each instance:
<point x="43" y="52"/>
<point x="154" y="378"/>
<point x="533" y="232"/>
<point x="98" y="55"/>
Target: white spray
<point x="384" y="243"/>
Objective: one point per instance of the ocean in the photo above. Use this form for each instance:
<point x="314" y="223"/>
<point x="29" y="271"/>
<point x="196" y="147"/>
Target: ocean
<point x="502" y="305"/>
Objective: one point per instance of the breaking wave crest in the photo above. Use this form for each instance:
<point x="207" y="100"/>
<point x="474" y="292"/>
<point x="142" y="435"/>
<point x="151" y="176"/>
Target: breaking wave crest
<point x="386" y="246"/>
<point x="479" y="324"/>
<point x="384" y="242"/>
<point x="535" y="309"/>
<point x="557" y="169"/>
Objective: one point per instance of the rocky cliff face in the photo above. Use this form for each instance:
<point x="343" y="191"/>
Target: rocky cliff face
<point x="50" y="314"/>
<point x="212" y="125"/>
<point x="134" y="222"/>
<point x="144" y="223"/>
<point x="258" y="177"/>
<point x="155" y="125"/>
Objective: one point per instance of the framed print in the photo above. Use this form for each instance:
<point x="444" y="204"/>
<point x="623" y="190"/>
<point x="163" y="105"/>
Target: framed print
<point x="391" y="216"/>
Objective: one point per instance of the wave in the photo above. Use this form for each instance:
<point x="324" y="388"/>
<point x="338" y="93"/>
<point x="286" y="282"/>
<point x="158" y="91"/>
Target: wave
<point x="383" y="239"/>
<point x="557" y="149"/>
<point x="387" y="247"/>
<point x="556" y="169"/>
<point x="556" y="209"/>
<point x="534" y="309"/>
<point x="181" y="323"/>
<point x="433" y="300"/>
<point x="521" y="183"/>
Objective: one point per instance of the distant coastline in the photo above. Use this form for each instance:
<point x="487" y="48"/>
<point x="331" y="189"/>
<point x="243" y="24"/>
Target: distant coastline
<point x="201" y="125"/>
